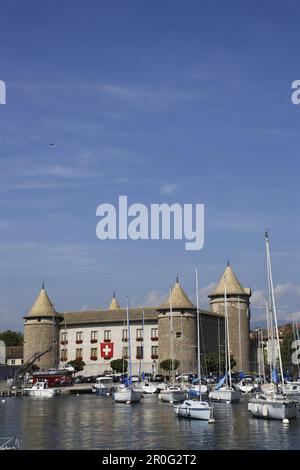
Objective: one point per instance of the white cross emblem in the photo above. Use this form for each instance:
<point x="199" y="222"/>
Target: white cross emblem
<point x="106" y="350"/>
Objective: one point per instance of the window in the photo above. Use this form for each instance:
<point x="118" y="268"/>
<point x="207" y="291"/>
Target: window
<point x="94" y="336"/>
<point x="178" y="334"/>
<point x="125" y="352"/>
<point x="13" y="362"/>
<point x="64" y="335"/>
<point x="125" y="335"/>
<point x="107" y="335"/>
<point x="94" y="353"/>
<point x="154" y="333"/>
<point x="139" y="334"/>
<point x="64" y="355"/>
<point x="79" y="353"/>
<point x="79" y="337"/>
<point x="154" y="352"/>
<point x="139" y="352"/>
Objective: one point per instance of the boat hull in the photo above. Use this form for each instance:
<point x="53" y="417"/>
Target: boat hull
<point x="272" y="409"/>
<point x="223" y="395"/>
<point x="194" y="410"/>
<point x="49" y="393"/>
<point x="172" y="395"/>
<point x="104" y="391"/>
<point x="149" y="389"/>
<point x="127" y="396"/>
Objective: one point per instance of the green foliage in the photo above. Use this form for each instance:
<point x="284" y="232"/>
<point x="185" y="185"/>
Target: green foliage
<point x="214" y="364"/>
<point x="12" y="338"/>
<point x="119" y="365"/>
<point x="78" y="365"/>
<point x="286" y="354"/>
<point x="167" y="365"/>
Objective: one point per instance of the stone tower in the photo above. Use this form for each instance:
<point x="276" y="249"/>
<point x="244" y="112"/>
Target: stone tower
<point x="114" y="304"/>
<point x="238" y="304"/>
<point x="41" y="331"/>
<point x="184" y="331"/>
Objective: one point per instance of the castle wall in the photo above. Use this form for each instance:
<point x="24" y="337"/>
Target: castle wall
<point x="218" y="306"/>
<point x="38" y="336"/>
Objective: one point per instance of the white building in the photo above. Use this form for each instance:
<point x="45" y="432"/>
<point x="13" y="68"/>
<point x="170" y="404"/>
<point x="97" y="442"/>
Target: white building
<point x="85" y="335"/>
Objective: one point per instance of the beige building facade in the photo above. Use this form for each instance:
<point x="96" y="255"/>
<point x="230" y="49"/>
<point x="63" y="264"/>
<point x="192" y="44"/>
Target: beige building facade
<point x="156" y="333"/>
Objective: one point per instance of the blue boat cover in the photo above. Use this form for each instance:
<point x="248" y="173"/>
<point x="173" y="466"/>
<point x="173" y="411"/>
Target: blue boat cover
<point x="220" y="383"/>
<point x="275" y="377"/>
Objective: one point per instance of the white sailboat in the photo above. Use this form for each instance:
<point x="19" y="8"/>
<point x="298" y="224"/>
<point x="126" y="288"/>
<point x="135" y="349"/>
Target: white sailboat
<point x="128" y="393"/>
<point x="173" y="392"/>
<point x="196" y="409"/>
<point x="149" y="388"/>
<point x="224" y="391"/>
<point x="273" y="404"/>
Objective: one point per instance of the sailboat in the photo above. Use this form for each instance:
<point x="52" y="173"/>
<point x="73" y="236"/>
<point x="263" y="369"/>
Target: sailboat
<point x="197" y="409"/>
<point x="224" y="391"/>
<point x="127" y="393"/>
<point x="173" y="392"/>
<point x="274" y="404"/>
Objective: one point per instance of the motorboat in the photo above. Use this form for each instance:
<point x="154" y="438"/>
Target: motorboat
<point x="245" y="385"/>
<point x="103" y="386"/>
<point x="41" y="390"/>
<point x="194" y="409"/>
<point x="292" y="390"/>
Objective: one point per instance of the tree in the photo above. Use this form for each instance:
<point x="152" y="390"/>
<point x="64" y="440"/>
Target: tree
<point x="216" y="364"/>
<point x="167" y="365"/>
<point x="12" y="338"/>
<point x="287" y="351"/>
<point x="119" y="365"/>
<point x="78" y="365"/>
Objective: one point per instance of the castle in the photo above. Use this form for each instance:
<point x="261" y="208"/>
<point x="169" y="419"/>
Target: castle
<point x="99" y="336"/>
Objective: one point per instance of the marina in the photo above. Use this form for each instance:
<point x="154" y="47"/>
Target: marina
<point x="95" y="422"/>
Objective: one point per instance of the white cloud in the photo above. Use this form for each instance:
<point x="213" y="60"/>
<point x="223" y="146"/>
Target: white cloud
<point x="287" y="298"/>
<point x="58" y="171"/>
<point x="169" y="188"/>
<point x="147" y="98"/>
<point x="154" y="298"/>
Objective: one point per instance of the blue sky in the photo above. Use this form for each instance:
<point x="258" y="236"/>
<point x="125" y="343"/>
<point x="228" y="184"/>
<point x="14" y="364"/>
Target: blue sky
<point x="162" y="101"/>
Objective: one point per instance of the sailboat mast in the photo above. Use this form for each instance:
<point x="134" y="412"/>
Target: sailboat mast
<point x="240" y="339"/>
<point x="227" y="332"/>
<point x="171" y="337"/>
<point x="142" y="350"/>
<point x="198" y="336"/>
<point x="129" y="339"/>
<point x="296" y="338"/>
<point x="274" y="309"/>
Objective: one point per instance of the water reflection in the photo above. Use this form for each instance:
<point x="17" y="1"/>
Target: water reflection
<point x="92" y="422"/>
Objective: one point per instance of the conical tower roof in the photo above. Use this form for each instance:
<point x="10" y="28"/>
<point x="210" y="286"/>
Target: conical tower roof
<point x="232" y="283"/>
<point x="179" y="299"/>
<point x="114" y="304"/>
<point x="43" y="306"/>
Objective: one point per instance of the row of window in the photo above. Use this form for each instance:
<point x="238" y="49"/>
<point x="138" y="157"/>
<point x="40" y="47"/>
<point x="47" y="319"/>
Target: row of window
<point x="94" y="353"/>
<point x="107" y="335"/>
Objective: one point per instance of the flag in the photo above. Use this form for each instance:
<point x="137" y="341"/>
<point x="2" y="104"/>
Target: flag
<point x="107" y="350"/>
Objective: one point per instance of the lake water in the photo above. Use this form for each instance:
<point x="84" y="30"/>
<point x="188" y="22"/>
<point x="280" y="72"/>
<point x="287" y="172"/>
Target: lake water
<point x="94" y="422"/>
